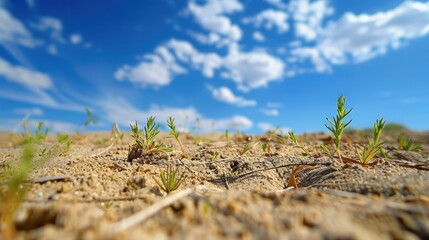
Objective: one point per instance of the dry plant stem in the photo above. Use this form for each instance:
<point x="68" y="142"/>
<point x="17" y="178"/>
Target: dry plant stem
<point x="105" y="150"/>
<point x="146" y="213"/>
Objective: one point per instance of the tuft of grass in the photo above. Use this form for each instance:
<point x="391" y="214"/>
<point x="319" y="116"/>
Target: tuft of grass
<point x="13" y="191"/>
<point x="38" y="137"/>
<point x="170" y="179"/>
<point x="64" y="139"/>
<point x="243" y="149"/>
<point x="147" y="141"/>
<point x="292" y="137"/>
<point x="175" y="134"/>
<point x="374" y="146"/>
<point x="407" y="144"/>
<point x="337" y="125"/>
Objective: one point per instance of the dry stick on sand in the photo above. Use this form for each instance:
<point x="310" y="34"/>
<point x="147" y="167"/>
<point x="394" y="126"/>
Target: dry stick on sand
<point x="148" y="212"/>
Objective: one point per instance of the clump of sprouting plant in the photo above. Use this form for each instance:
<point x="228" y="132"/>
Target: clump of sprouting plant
<point x="297" y="144"/>
<point x="243" y="149"/>
<point x="38" y="137"/>
<point x="214" y="156"/>
<point x="145" y="140"/>
<point x="407" y="144"/>
<point x="65" y="140"/>
<point x="175" y="134"/>
<point x="337" y="125"/>
<point x="170" y="179"/>
<point x="90" y="118"/>
<point x="374" y="146"/>
<point x="13" y="190"/>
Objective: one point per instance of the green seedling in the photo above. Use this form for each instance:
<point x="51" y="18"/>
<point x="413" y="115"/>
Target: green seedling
<point x="90" y="118"/>
<point x="266" y="148"/>
<point x="243" y="149"/>
<point x="147" y="141"/>
<point x="374" y="146"/>
<point x="326" y="150"/>
<point x="64" y="139"/>
<point x="407" y="144"/>
<point x="175" y="134"/>
<point x="227" y="137"/>
<point x="336" y="125"/>
<point x="170" y="179"/>
<point x="215" y="155"/>
<point x="292" y="137"/>
<point x="38" y="137"/>
<point x="13" y="191"/>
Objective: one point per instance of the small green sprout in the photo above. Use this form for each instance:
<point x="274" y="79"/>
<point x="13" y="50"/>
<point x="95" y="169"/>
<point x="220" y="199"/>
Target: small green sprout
<point x="90" y="118"/>
<point x="13" y="191"/>
<point x="243" y="149"/>
<point x="215" y="155"/>
<point x="37" y="137"/>
<point x="337" y="125"/>
<point x="147" y="142"/>
<point x="116" y="133"/>
<point x="175" y="134"/>
<point x="227" y="137"/>
<point x="326" y="150"/>
<point x="170" y="180"/>
<point x="374" y="146"/>
<point x="65" y="140"/>
<point x="407" y="144"/>
<point x="298" y="145"/>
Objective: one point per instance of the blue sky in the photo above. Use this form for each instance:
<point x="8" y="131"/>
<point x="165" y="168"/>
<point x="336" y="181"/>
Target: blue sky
<point x="214" y="64"/>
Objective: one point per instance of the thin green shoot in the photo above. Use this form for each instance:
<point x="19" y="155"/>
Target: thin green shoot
<point x="294" y="139"/>
<point x="407" y="144"/>
<point x="13" y="191"/>
<point x="90" y="118"/>
<point x="147" y="141"/>
<point x="337" y="125"/>
<point x="175" y="134"/>
<point x="374" y="146"/>
<point x="170" y="179"/>
<point x="227" y="137"/>
<point x="243" y="149"/>
<point x="215" y="155"/>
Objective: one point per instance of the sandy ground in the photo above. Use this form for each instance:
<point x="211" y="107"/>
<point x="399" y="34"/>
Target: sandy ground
<point x="238" y="197"/>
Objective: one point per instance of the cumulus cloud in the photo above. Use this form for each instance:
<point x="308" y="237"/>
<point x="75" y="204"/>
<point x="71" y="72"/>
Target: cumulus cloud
<point x="124" y="113"/>
<point x="212" y="16"/>
<point x="357" y="38"/>
<point x="75" y="38"/>
<point x="224" y="94"/>
<point x="362" y="37"/>
<point x="253" y="69"/>
<point x="14" y="31"/>
<point x="25" y="77"/>
<point x="308" y="17"/>
<point x="248" y="69"/>
<point x="277" y="3"/>
<point x="52" y="49"/>
<point x="269" y="19"/>
<point x="258" y="36"/>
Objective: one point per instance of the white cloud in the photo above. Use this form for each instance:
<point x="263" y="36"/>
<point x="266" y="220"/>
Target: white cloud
<point x="224" y="94"/>
<point x="309" y="16"/>
<point x="248" y="69"/>
<point x="212" y="17"/>
<point x="124" y="113"/>
<point x="31" y="79"/>
<point x="277" y="3"/>
<point x="270" y="112"/>
<point x="358" y="38"/>
<point x="76" y="38"/>
<point x="29" y="111"/>
<point x="253" y="69"/>
<point x="258" y="36"/>
<point x="269" y="19"/>
<point x="364" y="36"/>
<point x="52" y="25"/>
<point x="14" y="31"/>
<point x="52" y="49"/>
